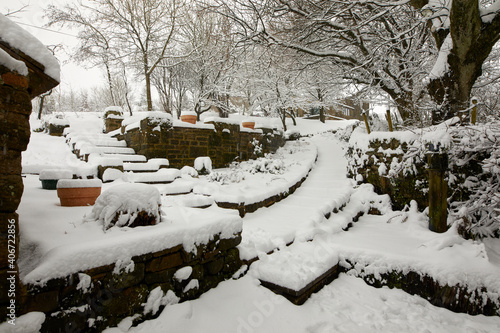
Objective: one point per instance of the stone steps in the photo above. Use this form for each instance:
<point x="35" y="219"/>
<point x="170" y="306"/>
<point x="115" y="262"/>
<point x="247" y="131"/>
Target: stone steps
<point x="162" y="176"/>
<point x="115" y="150"/>
<point x="128" y="157"/>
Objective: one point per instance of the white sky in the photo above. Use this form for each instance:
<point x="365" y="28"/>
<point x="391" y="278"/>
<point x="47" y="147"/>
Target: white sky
<point x="73" y="76"/>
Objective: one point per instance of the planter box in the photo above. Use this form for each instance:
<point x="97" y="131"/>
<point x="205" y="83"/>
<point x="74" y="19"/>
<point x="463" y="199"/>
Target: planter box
<point x="188" y="118"/>
<point x="248" y="124"/>
<point x="78" y="192"/>
<point x="50" y="177"/>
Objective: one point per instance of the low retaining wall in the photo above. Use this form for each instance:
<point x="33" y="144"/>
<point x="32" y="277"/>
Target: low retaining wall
<point x="456" y="298"/>
<point x="100" y="297"/>
<point x="181" y="145"/>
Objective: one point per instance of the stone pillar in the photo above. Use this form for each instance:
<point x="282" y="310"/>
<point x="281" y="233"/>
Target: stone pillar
<point x="112" y="120"/>
<point x="15" y="109"/>
<point x="438" y="188"/>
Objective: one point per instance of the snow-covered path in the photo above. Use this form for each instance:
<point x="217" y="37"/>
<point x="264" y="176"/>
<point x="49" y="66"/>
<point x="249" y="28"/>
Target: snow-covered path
<point x="301" y="216"/>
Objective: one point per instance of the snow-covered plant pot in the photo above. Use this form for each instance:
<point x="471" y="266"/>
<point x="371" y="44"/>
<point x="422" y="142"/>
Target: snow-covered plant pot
<point x="78" y="192"/>
<point x="189" y="117"/>
<point x="248" y="124"/>
<point x="203" y="165"/>
<point x="50" y="177"/>
<point x="128" y="205"/>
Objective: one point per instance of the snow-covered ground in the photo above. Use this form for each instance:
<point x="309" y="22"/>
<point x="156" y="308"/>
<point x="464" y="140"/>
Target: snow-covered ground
<point x="393" y="240"/>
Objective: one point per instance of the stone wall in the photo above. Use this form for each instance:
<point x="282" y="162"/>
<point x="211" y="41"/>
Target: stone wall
<point x="181" y="145"/>
<point x="15" y="109"/>
<point x="73" y="305"/>
<point x="402" y="180"/>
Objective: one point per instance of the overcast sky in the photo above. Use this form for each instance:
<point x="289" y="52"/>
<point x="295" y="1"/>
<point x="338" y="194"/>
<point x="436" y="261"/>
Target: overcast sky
<point x="32" y="20"/>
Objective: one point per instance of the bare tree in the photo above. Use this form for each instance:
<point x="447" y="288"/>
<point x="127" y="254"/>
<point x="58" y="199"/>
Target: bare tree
<point x="138" y="31"/>
<point x="382" y="44"/>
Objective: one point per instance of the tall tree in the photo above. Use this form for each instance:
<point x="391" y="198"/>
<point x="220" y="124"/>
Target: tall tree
<point x="465" y="32"/>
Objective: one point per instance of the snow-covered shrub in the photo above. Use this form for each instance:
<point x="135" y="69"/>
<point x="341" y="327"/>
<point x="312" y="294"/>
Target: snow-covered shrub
<point x="234" y="175"/>
<point x="203" y="165"/>
<point x="475" y="177"/>
<point x="257" y="147"/>
<point x="129" y="205"/>
<point x="292" y="135"/>
<point x="266" y="165"/>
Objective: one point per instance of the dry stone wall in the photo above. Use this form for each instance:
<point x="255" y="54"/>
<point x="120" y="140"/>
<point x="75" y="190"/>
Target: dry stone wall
<point x="384" y="166"/>
<point x="94" y="299"/>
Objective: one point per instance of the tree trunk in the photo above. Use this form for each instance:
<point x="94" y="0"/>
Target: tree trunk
<point x="110" y="84"/>
<point x="472" y="41"/>
<point x="148" y="92"/>
<point x="42" y="101"/>
<point x="322" y="114"/>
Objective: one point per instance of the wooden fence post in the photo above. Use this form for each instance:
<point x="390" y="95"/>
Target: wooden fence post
<point x="473" y="114"/>
<point x="366" y="122"/>
<point x="389" y="120"/>
<point x="438" y="188"/>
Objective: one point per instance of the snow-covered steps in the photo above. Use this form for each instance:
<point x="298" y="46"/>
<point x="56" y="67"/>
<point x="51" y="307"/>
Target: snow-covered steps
<point x="151" y="165"/>
<point x="115" y="150"/>
<point x="187" y="200"/>
<point x="110" y="142"/>
<point x="177" y="187"/>
<point x="127" y="157"/>
<point x="297" y="271"/>
<point x="162" y="176"/>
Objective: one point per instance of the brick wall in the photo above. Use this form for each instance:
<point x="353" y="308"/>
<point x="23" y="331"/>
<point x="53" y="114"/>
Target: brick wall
<point x="181" y="145"/>
<point x="15" y="109"/>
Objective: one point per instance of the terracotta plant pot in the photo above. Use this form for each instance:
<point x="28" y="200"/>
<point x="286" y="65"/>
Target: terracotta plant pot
<point x="248" y="124"/>
<point x="78" y="192"/>
<point x="188" y="118"/>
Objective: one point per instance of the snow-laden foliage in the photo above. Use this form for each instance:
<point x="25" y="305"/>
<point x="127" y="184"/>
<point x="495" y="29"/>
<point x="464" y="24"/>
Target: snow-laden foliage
<point x="473" y="172"/>
<point x="475" y="164"/>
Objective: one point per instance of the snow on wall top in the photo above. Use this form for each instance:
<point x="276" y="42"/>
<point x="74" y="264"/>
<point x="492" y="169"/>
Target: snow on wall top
<point x="13" y="64"/>
<point x="22" y="40"/>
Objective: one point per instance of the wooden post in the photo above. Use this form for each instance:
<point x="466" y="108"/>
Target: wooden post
<point x="438" y="205"/>
<point x="473" y="115"/>
<point x="389" y="120"/>
<point x="366" y="122"/>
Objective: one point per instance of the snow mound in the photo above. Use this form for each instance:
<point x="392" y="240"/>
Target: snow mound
<point x="121" y="204"/>
<point x="296" y="266"/>
<point x="203" y="164"/>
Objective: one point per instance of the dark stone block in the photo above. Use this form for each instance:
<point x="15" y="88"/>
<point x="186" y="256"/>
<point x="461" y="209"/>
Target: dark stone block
<point x="215" y="266"/>
<point x="125" y="279"/>
<point x="160" y="277"/>
<point x="162" y="263"/>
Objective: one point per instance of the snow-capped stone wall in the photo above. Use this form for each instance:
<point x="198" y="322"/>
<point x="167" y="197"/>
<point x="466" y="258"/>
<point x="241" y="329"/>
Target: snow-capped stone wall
<point x="91" y="300"/>
<point x="221" y="141"/>
<point x="380" y="162"/>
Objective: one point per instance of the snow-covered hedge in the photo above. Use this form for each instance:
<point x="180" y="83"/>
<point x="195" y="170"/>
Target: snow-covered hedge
<point x="473" y="173"/>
